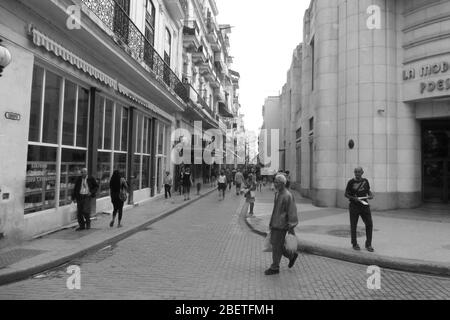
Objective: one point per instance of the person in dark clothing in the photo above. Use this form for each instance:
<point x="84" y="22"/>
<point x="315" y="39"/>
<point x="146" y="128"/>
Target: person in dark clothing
<point x="358" y="191"/>
<point x="116" y="184"/>
<point x="85" y="190"/>
<point x="187" y="184"/>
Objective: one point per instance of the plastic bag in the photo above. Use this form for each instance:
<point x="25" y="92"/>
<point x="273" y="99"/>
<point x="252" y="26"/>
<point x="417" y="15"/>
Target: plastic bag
<point x="291" y="243"/>
<point x="267" y="244"/>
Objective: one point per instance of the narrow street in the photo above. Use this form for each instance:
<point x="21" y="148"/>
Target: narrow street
<point x="206" y="251"/>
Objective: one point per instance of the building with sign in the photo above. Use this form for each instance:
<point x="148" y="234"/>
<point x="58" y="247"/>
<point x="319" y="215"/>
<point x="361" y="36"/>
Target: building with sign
<point x="375" y="92"/>
<point x="92" y="83"/>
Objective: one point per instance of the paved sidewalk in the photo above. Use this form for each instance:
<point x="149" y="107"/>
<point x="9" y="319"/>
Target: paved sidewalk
<point x="415" y="240"/>
<point x="31" y="257"/>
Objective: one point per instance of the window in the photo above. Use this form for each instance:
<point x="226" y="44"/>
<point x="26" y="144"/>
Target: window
<point x="44" y="185"/>
<point x="167" y="55"/>
<point x="149" y="33"/>
<point x="150" y="22"/>
<point x="142" y="155"/>
<point x="311" y="124"/>
<point x="113" y="143"/>
<point x="312" y="64"/>
<point x="121" y="23"/>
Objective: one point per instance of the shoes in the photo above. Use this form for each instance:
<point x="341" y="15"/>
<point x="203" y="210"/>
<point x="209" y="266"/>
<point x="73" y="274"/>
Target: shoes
<point x="80" y="229"/>
<point x="370" y="249"/>
<point x="111" y="224"/>
<point x="356" y="247"/>
<point x="88" y="227"/>
<point x="292" y="261"/>
<point x="270" y="272"/>
<point x="119" y="225"/>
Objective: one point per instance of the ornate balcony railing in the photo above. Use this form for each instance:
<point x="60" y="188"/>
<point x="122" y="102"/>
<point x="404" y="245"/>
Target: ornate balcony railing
<point x="115" y="18"/>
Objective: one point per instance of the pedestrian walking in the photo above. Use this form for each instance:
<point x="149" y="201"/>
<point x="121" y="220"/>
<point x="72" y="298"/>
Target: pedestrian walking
<point x="213" y="178"/>
<point x="250" y="194"/>
<point x="180" y="181"/>
<point x="85" y="190"/>
<point x="187" y="184"/>
<point x="229" y="179"/>
<point x="358" y="192"/>
<point x="168" y="181"/>
<point x="222" y="181"/>
<point x="283" y="220"/>
<point x="288" y="178"/>
<point x="239" y="180"/>
<point x="118" y="187"/>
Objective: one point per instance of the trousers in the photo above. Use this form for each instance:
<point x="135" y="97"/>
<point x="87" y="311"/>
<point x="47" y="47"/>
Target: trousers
<point x="84" y="211"/>
<point x="167" y="188"/>
<point x="356" y="211"/>
<point x="277" y="239"/>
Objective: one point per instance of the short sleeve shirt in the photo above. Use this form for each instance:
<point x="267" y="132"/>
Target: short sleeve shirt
<point x="358" y="188"/>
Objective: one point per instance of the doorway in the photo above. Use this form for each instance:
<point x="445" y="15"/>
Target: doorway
<point x="436" y="161"/>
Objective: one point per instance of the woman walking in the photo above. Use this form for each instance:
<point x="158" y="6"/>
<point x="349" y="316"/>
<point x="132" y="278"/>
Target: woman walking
<point x="222" y="180"/>
<point x="250" y="195"/>
<point x="118" y="190"/>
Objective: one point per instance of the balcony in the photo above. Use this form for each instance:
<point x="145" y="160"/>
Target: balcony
<point x="128" y="36"/>
<point x="200" y="109"/>
<point x="191" y="36"/>
<point x="219" y="61"/>
<point x="200" y="56"/>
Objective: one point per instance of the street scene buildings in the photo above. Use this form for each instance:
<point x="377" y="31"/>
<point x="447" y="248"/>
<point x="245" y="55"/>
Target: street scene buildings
<point x="368" y="87"/>
<point x="153" y="98"/>
<point x="104" y="86"/>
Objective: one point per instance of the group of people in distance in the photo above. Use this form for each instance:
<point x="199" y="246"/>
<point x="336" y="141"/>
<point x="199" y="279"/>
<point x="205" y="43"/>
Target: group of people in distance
<point x="283" y="220"/>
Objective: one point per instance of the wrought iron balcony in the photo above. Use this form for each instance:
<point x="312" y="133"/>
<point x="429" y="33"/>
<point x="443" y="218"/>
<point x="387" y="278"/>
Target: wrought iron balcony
<point x="200" y="56"/>
<point x="131" y="39"/>
<point x="191" y="36"/>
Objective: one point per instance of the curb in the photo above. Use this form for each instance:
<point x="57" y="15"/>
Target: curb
<point x="21" y="274"/>
<point x="400" y="264"/>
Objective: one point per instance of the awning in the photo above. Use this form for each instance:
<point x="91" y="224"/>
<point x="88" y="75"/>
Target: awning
<point x="223" y="110"/>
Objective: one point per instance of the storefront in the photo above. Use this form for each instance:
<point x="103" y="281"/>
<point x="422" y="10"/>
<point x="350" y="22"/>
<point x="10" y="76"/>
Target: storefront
<point x="74" y="110"/>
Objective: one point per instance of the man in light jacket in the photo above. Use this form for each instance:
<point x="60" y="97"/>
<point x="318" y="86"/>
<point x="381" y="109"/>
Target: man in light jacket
<point x="284" y="219"/>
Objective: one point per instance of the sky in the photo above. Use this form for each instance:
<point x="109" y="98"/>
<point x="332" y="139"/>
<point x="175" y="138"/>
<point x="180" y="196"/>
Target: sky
<point x="263" y="39"/>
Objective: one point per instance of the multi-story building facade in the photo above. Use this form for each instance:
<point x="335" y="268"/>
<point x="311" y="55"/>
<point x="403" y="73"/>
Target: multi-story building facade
<point x="92" y="83"/>
<point x="374" y="93"/>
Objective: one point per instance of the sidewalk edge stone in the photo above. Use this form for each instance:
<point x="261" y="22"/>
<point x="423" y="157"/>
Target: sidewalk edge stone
<point x="20" y="274"/>
<point x="401" y="264"/>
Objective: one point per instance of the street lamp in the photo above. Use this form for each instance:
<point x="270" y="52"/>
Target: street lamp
<point x="5" y="57"/>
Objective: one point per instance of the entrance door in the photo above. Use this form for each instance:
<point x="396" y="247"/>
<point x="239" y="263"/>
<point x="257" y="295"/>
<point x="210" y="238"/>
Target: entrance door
<point x="436" y="161"/>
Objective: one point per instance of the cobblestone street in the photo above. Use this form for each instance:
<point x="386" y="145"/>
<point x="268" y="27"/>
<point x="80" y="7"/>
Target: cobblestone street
<point x="206" y="251"/>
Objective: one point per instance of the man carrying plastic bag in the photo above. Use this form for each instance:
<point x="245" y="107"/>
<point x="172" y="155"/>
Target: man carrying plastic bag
<point x="284" y="219"/>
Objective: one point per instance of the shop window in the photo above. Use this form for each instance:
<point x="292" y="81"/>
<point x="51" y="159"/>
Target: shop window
<point x="51" y="108"/>
<point x="103" y="173"/>
<point x="117" y="124"/>
<point x="145" y="171"/>
<point x="82" y="118"/>
<point x="72" y="161"/>
<point x="100" y="105"/>
<point x="70" y="97"/>
<point x="120" y="163"/>
<point x="36" y="101"/>
<point x="40" y="186"/>
<point x="124" y="146"/>
<point x="43" y="185"/>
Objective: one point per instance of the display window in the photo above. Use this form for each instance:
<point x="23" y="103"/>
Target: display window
<point x="57" y="146"/>
<point x="112" y="143"/>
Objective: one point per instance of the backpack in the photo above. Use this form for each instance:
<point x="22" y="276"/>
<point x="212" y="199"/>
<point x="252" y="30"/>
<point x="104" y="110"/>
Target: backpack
<point x="123" y="195"/>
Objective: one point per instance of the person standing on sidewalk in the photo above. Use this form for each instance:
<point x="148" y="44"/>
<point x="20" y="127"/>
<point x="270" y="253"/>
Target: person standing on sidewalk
<point x="250" y="195"/>
<point x="116" y="185"/>
<point x="222" y="181"/>
<point x="187" y="184"/>
<point x="239" y="180"/>
<point x="85" y="190"/>
<point x="168" y="181"/>
<point x="284" y="219"/>
<point x="358" y="188"/>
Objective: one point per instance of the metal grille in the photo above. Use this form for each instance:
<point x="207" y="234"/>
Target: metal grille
<point x="115" y="17"/>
